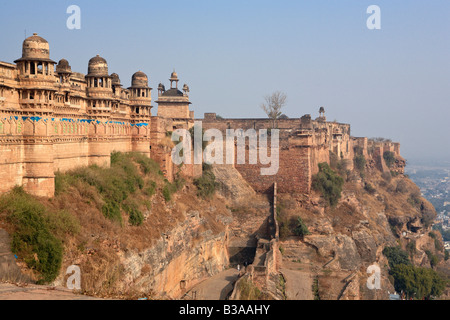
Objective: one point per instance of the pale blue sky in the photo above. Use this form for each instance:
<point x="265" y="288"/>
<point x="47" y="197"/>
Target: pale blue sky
<point x="393" y="82"/>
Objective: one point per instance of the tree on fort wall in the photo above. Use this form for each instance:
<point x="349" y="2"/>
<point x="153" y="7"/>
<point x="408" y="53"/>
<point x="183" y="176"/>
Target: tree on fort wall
<point x="273" y="105"/>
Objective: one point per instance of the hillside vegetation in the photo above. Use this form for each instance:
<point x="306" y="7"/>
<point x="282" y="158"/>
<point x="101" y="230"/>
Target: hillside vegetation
<point x="98" y="214"/>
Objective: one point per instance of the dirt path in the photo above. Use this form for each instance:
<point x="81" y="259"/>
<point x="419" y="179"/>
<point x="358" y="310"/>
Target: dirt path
<point x="34" y="292"/>
<point x="298" y="284"/>
<point x="215" y="288"/>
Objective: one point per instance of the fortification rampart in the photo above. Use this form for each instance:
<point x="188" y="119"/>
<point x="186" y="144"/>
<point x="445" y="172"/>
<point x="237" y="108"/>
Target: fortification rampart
<point x="304" y="143"/>
<point x="53" y="119"/>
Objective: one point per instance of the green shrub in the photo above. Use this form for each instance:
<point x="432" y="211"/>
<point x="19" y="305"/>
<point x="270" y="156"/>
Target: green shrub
<point x="34" y="237"/>
<point x="389" y="158"/>
<point x="395" y="173"/>
<point x="360" y="162"/>
<point x="437" y="243"/>
<point x="328" y="183"/>
<point x="369" y="188"/>
<point x="396" y="256"/>
<point x="206" y="185"/>
<point x="151" y="189"/>
<point x="411" y="248"/>
<point x="135" y="216"/>
<point x="416" y="282"/>
<point x="166" y="193"/>
<point x="117" y="183"/>
<point x="433" y="259"/>
<point x="146" y="164"/>
<point x="301" y="228"/>
<point x="111" y="210"/>
<point x="315" y="288"/>
<point x="170" y="188"/>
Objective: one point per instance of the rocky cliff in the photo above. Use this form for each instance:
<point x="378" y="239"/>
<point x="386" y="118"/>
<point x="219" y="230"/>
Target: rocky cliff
<point x="378" y="208"/>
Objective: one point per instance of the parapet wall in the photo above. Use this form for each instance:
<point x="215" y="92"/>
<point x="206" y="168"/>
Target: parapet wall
<point x="34" y="149"/>
<point x="304" y="143"/>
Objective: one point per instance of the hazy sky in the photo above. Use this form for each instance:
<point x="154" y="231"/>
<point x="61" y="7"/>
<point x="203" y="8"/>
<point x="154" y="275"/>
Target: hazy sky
<point x="393" y="82"/>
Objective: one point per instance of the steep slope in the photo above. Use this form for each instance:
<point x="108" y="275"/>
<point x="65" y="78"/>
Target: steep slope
<point x="131" y="232"/>
<point x="376" y="210"/>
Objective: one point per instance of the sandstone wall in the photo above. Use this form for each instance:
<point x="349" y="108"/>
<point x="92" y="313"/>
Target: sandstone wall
<point x="304" y="143"/>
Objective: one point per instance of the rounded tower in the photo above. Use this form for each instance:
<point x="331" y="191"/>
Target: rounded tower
<point x="99" y="87"/>
<point x="100" y="102"/>
<point x="141" y="105"/>
<point x="141" y="98"/>
<point x="36" y="97"/>
<point x="64" y="71"/>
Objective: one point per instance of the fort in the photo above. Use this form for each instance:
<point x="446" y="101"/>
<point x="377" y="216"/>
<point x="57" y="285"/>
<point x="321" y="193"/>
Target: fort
<point x="53" y="119"/>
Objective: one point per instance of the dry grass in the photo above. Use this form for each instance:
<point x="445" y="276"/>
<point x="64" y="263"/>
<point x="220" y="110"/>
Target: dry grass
<point x="100" y="242"/>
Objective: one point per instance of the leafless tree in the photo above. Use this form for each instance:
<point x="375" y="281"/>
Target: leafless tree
<point x="273" y="105"/>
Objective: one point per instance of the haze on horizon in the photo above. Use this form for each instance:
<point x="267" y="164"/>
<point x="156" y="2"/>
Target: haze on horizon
<point x="393" y="82"/>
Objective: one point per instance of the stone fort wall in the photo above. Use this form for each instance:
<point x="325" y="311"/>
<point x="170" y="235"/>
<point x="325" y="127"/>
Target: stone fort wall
<point x="53" y="119"/>
<point x="304" y="143"/>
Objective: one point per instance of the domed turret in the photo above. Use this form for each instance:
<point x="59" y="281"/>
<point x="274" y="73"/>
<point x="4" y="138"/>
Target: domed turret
<point x="63" y="66"/>
<point x="115" y="80"/>
<point x="98" y="67"/>
<point x="174" y="78"/>
<point x="139" y="86"/>
<point x="35" y="48"/>
<point x="139" y="80"/>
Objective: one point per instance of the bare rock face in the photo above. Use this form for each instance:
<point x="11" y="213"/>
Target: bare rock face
<point x="366" y="245"/>
<point x="183" y="257"/>
<point x="231" y="184"/>
<point x="338" y="247"/>
<point x="347" y="252"/>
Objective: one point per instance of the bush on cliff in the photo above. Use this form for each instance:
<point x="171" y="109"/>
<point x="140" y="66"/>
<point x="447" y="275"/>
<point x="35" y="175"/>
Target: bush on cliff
<point x="416" y="282"/>
<point x="170" y="188"/>
<point x="360" y="162"/>
<point x="389" y="158"/>
<point x="301" y="229"/>
<point x="206" y="184"/>
<point x="328" y="183"/>
<point x="116" y="183"/>
<point x="136" y="218"/>
<point x="369" y="188"/>
<point x="432" y="258"/>
<point x="396" y="256"/>
<point x="38" y="233"/>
